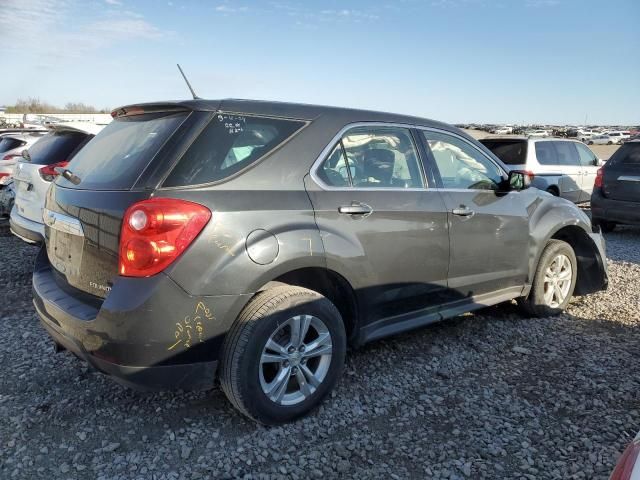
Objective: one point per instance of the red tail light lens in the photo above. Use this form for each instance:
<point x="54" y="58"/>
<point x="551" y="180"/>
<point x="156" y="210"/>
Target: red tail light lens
<point x="155" y="232"/>
<point x="626" y="465"/>
<point x="599" y="178"/>
<point x="11" y="156"/>
<point x="48" y="172"/>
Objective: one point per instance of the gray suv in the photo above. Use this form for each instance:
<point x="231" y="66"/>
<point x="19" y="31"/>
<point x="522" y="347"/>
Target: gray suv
<point x="252" y="242"/>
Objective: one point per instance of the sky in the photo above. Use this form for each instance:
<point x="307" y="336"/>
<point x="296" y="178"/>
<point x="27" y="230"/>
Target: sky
<point x="499" y="61"/>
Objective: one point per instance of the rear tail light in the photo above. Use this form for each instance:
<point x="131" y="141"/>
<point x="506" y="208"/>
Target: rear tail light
<point x="48" y="172"/>
<point x="627" y="462"/>
<point x="599" y="178"/>
<point x="155" y="232"/>
<point x="11" y="156"/>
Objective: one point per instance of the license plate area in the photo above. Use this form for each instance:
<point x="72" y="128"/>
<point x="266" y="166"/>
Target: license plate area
<point x="66" y="243"/>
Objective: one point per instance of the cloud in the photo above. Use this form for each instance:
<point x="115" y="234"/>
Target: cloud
<point x="57" y="29"/>
<point x="228" y="9"/>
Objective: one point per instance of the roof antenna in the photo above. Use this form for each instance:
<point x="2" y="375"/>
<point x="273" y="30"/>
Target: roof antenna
<point x="195" y="97"/>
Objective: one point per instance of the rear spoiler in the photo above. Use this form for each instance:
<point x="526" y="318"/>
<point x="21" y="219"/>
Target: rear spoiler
<point x="131" y="110"/>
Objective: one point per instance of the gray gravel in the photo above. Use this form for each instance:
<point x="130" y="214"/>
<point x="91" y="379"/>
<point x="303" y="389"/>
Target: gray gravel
<point x="490" y="395"/>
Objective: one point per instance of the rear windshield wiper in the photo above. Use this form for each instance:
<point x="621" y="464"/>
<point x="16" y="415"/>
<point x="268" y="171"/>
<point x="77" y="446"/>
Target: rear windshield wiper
<point x="69" y="175"/>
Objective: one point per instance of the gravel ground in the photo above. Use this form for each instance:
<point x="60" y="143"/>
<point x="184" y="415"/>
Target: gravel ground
<point x="490" y="395"/>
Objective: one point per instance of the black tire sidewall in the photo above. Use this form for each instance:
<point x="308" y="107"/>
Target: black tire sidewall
<point x="537" y="298"/>
<point x="256" y="401"/>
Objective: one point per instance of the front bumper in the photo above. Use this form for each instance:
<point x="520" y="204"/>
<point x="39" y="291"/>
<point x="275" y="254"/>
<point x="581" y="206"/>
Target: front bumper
<point x="617" y="211"/>
<point x="27" y="230"/>
<point x="145" y="334"/>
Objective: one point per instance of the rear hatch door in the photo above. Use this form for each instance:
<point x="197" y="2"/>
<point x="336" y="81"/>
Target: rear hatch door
<point x="622" y="173"/>
<point x="119" y="167"/>
<point x="512" y="151"/>
<point x="30" y="184"/>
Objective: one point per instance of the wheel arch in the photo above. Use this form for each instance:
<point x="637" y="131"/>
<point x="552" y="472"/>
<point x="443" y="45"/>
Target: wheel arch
<point x="590" y="264"/>
<point x="328" y="283"/>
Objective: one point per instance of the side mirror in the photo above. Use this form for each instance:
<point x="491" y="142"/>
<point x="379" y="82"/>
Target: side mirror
<point x="25" y="155"/>
<point x="519" y="180"/>
<point x="600" y="162"/>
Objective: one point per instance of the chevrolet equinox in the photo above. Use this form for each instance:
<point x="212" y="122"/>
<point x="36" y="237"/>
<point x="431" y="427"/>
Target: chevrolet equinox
<point x="252" y="242"/>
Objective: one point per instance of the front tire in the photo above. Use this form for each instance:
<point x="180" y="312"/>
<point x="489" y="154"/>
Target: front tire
<point x="283" y="355"/>
<point x="554" y="281"/>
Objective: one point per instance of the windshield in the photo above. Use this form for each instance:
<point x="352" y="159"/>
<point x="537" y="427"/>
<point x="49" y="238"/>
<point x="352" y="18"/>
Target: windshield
<point x="511" y="152"/>
<point x="117" y="156"/>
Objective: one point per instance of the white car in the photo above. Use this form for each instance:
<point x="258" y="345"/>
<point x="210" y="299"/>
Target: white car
<point x="601" y="140"/>
<point x="619" y="136"/>
<point x="11" y="147"/>
<point x="585" y="135"/>
<point x="503" y="131"/>
<point x="34" y="174"/>
<point x="539" y="133"/>
<point x="563" y="167"/>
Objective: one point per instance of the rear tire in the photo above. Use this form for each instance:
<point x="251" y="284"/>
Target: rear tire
<point x="269" y="372"/>
<point x="553" y="282"/>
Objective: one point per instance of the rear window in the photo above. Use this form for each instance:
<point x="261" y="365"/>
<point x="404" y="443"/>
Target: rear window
<point x="55" y="147"/>
<point x="115" y="158"/>
<point x="510" y="152"/>
<point x="628" y="154"/>
<point x="227" y="145"/>
<point x="8" y="143"/>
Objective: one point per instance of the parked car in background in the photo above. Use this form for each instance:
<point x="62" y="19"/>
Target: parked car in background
<point x="562" y="167"/>
<point x="585" y="135"/>
<point x="11" y="147"/>
<point x="34" y="172"/>
<point x="618" y="136"/>
<point x="601" y="140"/>
<point x="503" y="131"/>
<point x="616" y="194"/>
<point x="255" y="240"/>
<point x="538" y="133"/>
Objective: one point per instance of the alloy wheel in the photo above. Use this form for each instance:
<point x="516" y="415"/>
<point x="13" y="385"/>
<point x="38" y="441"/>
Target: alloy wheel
<point x="557" y="281"/>
<point x="295" y="360"/>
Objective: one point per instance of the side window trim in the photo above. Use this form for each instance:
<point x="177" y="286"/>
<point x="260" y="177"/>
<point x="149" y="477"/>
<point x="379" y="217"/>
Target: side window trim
<point x="326" y="151"/>
<point x="433" y="164"/>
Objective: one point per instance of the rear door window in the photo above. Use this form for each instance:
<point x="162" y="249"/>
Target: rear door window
<point x="557" y="153"/>
<point x="116" y="157"/>
<point x="55" y="147"/>
<point x="229" y="144"/>
<point x="513" y="152"/>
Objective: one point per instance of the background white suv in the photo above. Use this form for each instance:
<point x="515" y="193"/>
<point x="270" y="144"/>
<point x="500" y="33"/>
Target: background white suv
<point x="562" y="167"/>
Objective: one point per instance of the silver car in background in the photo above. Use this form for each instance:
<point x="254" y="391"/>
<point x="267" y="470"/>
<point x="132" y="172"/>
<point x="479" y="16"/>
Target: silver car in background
<point x="11" y="147"/>
<point x="36" y="170"/>
<point x="563" y="167"/>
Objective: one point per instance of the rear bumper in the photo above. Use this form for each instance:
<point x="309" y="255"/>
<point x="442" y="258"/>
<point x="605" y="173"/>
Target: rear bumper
<point x="606" y="209"/>
<point x="27" y="230"/>
<point x="133" y="335"/>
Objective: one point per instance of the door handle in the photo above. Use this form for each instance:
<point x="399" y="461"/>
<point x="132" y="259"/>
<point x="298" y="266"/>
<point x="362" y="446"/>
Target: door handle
<point x="355" y="209"/>
<point x="463" y="211"/>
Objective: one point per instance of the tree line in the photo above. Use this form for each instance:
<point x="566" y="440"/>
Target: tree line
<point x="35" y="105"/>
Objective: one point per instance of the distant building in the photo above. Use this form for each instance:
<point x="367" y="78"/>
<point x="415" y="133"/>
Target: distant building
<point x="3" y="110"/>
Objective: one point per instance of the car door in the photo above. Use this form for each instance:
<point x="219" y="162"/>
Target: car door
<point x="383" y="227"/>
<point x="560" y="159"/>
<point x="590" y="165"/>
<point x="488" y="229"/>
